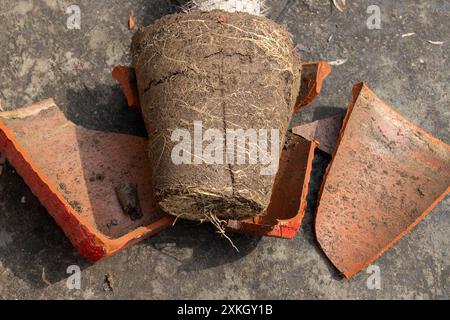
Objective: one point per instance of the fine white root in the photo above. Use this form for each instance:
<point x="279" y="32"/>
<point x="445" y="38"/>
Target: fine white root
<point x="218" y="224"/>
<point x="176" y="219"/>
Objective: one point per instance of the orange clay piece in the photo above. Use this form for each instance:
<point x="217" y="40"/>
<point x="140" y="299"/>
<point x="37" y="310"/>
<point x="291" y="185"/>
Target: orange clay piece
<point x="127" y="81"/>
<point x="385" y="176"/>
<point x="313" y="75"/>
<point x="73" y="172"/>
<point x="324" y="131"/>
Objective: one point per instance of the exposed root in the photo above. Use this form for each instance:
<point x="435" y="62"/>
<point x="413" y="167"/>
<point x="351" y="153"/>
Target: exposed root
<point x="218" y="224"/>
<point x="176" y="219"/>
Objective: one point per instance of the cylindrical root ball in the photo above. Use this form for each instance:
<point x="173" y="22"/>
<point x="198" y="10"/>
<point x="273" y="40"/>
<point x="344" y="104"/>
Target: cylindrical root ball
<point x="208" y="82"/>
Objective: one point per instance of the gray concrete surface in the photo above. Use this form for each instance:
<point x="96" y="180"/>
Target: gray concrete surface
<point x="41" y="58"/>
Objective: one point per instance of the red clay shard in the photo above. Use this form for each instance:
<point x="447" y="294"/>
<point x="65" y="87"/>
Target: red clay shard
<point x="73" y="171"/>
<point x="324" y="131"/>
<point x="288" y="203"/>
<point x="127" y="80"/>
<point x="313" y="75"/>
<point x="385" y="176"/>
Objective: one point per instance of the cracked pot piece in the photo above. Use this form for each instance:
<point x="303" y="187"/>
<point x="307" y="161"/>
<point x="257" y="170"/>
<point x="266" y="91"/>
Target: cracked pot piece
<point x="313" y="75"/>
<point x="385" y="176"/>
<point x="324" y="131"/>
<point x="73" y="172"/>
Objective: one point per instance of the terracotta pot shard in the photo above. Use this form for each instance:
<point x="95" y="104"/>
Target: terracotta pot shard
<point x="74" y="172"/>
<point x="385" y="176"/>
<point x="313" y="75"/>
<point x="324" y="131"/>
<point x="127" y="80"/>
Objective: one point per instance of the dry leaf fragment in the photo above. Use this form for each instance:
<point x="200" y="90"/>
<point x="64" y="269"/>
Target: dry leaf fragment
<point x="438" y="43"/>
<point x="409" y="34"/>
<point x="337" y="62"/>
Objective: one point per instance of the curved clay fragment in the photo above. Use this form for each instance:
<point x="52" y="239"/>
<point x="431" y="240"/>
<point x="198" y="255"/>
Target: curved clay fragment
<point x="127" y="80"/>
<point x="385" y="176"/>
<point x="75" y="173"/>
<point x="324" y="131"/>
<point x="313" y="75"/>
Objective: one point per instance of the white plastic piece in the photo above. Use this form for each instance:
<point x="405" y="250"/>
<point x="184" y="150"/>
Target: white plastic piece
<point x="250" y="6"/>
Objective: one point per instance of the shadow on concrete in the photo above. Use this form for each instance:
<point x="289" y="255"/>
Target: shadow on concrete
<point x="32" y="243"/>
<point x="321" y="112"/>
<point x="103" y="108"/>
<point x="320" y="164"/>
<point x="209" y="249"/>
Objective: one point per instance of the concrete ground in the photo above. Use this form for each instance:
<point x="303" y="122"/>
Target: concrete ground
<point x="40" y="57"/>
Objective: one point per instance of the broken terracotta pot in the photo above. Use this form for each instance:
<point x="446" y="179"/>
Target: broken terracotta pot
<point x="324" y="131"/>
<point x="74" y="171"/>
<point x="127" y="80"/>
<point x="97" y="185"/>
<point x="313" y="75"/>
<point x="79" y="176"/>
<point x="385" y="176"/>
